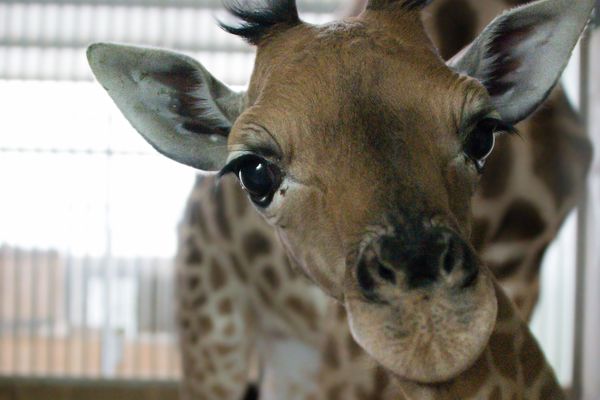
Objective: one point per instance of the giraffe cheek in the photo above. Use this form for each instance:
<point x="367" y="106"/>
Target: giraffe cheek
<point x="461" y="183"/>
<point x="315" y="265"/>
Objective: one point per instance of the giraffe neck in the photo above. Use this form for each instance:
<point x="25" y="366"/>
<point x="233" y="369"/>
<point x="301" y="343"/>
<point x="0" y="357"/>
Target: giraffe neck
<point x="511" y="366"/>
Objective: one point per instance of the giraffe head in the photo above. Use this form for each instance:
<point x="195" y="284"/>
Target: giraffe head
<point x="362" y="148"/>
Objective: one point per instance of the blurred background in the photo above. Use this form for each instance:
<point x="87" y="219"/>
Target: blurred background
<point x="88" y="211"/>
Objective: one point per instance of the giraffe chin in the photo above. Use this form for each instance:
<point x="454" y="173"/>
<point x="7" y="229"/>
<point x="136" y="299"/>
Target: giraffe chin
<point x="428" y="335"/>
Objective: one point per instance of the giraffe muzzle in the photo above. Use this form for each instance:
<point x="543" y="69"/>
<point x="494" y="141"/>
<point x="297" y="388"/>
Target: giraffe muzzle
<point x="420" y="302"/>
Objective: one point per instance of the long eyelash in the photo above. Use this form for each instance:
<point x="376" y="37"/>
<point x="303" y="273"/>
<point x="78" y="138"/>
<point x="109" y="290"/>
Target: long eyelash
<point x="505" y="127"/>
<point x="234" y="165"/>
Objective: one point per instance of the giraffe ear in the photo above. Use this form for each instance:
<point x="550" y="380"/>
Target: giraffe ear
<point x="171" y="100"/>
<point x="520" y="56"/>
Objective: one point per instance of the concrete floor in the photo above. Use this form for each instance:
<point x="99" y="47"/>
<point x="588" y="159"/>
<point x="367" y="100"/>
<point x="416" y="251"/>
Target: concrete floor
<point x="32" y="389"/>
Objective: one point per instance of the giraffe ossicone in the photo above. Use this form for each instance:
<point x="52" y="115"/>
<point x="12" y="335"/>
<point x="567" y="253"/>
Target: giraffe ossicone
<point x="362" y="149"/>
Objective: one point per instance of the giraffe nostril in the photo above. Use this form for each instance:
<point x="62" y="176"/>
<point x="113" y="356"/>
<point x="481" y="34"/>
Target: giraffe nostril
<point x="453" y="254"/>
<point x="449" y="259"/>
<point x="385" y="273"/>
<point x="363" y="276"/>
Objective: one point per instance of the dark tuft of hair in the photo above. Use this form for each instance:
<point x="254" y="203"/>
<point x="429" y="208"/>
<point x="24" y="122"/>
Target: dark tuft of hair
<point x="416" y="4"/>
<point x="406" y="4"/>
<point x="259" y="18"/>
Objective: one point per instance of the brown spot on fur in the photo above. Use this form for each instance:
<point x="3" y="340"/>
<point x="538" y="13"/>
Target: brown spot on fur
<point x="505" y="309"/>
<point x="240" y="200"/>
<point x="209" y="364"/>
<point x="557" y="135"/>
<point x="498" y="168"/>
<point x="330" y="353"/>
<point x="336" y="392"/>
<point x="496" y="394"/>
<point x="382" y="381"/>
<point x="519" y="302"/>
<point x="532" y="360"/>
<point x="192" y="338"/>
<point x="360" y="393"/>
<point x="474" y="378"/>
<point x="503" y="350"/>
<point x="456" y="22"/>
<point x="184" y="323"/>
<point x="265" y="296"/>
<point x="205" y="325"/>
<point x="238" y="268"/>
<point x="220" y="391"/>
<point x="353" y="348"/>
<point x="522" y="221"/>
<point x="306" y="311"/>
<point x="196" y="219"/>
<point x="271" y="276"/>
<point x="226" y="306"/>
<point x="506" y="269"/>
<point x="340" y="312"/>
<point x="194" y="255"/>
<point x="221" y="218"/>
<point x="289" y="268"/>
<point x="199" y="301"/>
<point x="217" y="276"/>
<point x="481" y="231"/>
<point x="551" y="390"/>
<point x="223" y="349"/>
<point x="533" y="273"/>
<point x="256" y="244"/>
<point x="193" y="282"/>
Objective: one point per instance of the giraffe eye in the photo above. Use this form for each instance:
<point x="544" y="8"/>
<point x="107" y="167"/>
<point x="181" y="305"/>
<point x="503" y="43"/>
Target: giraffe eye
<point x="258" y="177"/>
<point x="481" y="140"/>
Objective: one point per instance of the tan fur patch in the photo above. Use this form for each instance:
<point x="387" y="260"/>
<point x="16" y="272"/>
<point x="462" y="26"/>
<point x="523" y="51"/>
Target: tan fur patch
<point x="226" y="306"/>
<point x="306" y="311"/>
<point x="532" y="360"/>
<point x="522" y="221"/>
<point x="217" y="275"/>
<point x="271" y="276"/>
<point x="238" y="268"/>
<point x="255" y="244"/>
<point x="503" y="351"/>
<point x="331" y="354"/>
<point x="205" y="325"/>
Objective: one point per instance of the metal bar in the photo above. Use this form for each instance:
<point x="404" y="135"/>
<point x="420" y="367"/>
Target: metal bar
<point x="16" y="310"/>
<point x="139" y="315"/>
<point x="77" y="44"/>
<point x="586" y="349"/>
<point x="154" y="315"/>
<point x="53" y="287"/>
<point x="317" y="6"/>
<point x="582" y="221"/>
<point x="69" y="329"/>
<point x="66" y="151"/>
<point x="84" y="337"/>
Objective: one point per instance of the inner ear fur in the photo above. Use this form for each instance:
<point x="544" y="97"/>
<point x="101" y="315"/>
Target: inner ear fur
<point x="520" y="56"/>
<point x="171" y="100"/>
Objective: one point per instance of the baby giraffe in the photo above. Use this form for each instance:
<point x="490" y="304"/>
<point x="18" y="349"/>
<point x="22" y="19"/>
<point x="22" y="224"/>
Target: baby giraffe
<point x="362" y="149"/>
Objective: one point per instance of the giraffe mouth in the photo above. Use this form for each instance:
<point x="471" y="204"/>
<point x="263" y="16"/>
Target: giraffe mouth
<point x="421" y="305"/>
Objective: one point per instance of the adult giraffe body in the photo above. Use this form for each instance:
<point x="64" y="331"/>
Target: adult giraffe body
<point x="362" y="149"/>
